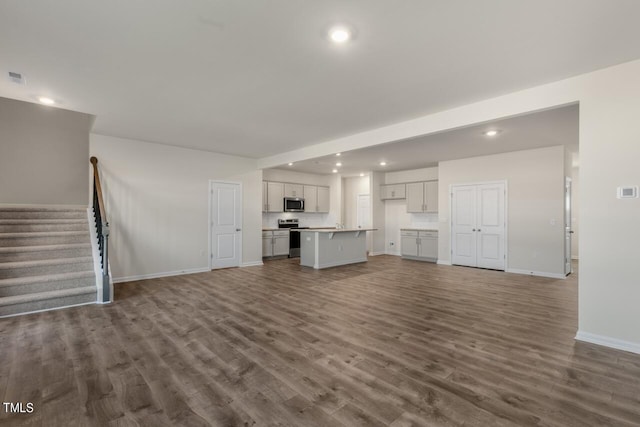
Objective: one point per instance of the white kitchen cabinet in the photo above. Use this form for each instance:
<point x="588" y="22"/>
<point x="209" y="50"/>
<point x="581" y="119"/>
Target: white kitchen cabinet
<point x="275" y="197"/>
<point x="265" y="196"/>
<point x="421" y="245"/>
<point x="323" y="200"/>
<point x="310" y="193"/>
<point x="293" y="190"/>
<point x="267" y="244"/>
<point x="422" y="197"/>
<point x="392" y="192"/>
<point x="275" y="243"/>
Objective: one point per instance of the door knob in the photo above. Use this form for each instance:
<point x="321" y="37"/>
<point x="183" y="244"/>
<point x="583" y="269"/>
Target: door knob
<point x="479" y="230"/>
<point x="473" y="229"/>
<point x="238" y="229"/>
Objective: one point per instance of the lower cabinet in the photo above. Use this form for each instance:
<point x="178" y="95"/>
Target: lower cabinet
<point x="275" y="243"/>
<point x="421" y="245"/>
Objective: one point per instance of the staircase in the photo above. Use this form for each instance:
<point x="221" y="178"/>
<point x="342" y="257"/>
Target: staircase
<point x="46" y="260"/>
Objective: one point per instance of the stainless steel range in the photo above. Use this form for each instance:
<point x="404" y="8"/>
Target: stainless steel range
<point x="294" y="237"/>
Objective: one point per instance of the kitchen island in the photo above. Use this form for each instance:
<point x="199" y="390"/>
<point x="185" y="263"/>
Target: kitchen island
<point x="330" y="247"/>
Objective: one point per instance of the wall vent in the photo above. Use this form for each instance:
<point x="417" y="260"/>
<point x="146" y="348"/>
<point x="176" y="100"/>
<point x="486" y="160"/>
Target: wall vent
<point x="628" y="192"/>
<point x="17" y="78"/>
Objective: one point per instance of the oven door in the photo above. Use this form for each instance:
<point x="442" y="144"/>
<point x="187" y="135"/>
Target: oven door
<point x="293" y="204"/>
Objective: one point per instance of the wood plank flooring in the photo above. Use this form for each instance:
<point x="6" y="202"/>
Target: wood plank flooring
<point x="385" y="343"/>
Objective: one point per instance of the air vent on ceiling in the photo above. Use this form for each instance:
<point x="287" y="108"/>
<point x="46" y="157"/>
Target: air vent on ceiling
<point x="16" y="78"/>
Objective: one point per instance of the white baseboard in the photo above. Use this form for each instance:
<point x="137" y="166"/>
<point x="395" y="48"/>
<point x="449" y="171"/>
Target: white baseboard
<point x="377" y="253"/>
<point x="251" y="264"/>
<point x="632" y="347"/>
<point x="394" y="253"/>
<point x="536" y="273"/>
<point x="158" y="275"/>
<point x="339" y="263"/>
<point x="443" y="262"/>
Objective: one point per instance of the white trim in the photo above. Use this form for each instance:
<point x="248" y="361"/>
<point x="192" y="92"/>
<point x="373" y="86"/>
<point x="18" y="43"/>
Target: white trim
<point x="47" y="309"/>
<point x="377" y="253"/>
<point x="95" y="251"/>
<point x="158" y="275"/>
<point x="616" y="343"/>
<point x="339" y="263"/>
<point x="210" y="219"/>
<point x="443" y="262"/>
<point x="393" y="253"/>
<point x="251" y="264"/>
<point x="536" y="273"/>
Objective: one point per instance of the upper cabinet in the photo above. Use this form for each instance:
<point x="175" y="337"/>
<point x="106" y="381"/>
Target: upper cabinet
<point x="275" y="197"/>
<point x="422" y="197"/>
<point x="323" y="200"/>
<point x="293" y="190"/>
<point x="310" y="193"/>
<point x="316" y="198"/>
<point x="392" y="191"/>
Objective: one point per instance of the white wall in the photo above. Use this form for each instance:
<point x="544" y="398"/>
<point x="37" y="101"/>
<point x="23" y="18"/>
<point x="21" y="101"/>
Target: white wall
<point x="396" y="216"/>
<point x="307" y="219"/>
<point x="535" y="206"/>
<point x="157" y="201"/>
<point x="44" y="155"/>
<point x="378" y="217"/>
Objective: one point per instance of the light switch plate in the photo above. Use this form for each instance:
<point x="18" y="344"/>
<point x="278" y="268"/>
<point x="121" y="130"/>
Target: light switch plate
<point x="628" y="192"/>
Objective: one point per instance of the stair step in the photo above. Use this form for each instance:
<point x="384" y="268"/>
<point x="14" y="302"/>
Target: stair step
<point x="35" y="225"/>
<point x="43" y="238"/>
<point x="20" y="304"/>
<point x="50" y="282"/>
<point x="32" y="253"/>
<point x="10" y="270"/>
<point x="42" y="213"/>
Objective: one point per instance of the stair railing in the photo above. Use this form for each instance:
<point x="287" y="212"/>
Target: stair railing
<point x="102" y="226"/>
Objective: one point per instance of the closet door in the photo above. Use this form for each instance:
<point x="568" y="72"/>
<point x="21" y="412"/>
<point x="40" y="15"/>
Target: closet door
<point x="463" y="226"/>
<point x="478" y="225"/>
<point x="490" y="226"/>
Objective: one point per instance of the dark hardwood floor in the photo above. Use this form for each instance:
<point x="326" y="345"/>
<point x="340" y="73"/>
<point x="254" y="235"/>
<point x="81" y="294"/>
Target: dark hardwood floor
<point x="388" y="342"/>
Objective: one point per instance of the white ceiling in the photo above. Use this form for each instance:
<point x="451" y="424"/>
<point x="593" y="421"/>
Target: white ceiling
<point x="257" y="78"/>
<point x="542" y="129"/>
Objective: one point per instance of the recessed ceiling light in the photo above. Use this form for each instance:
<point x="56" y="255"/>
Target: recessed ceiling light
<point x="338" y="154"/>
<point x="338" y="164"/>
<point x="46" y="101"/>
<point x="492" y="132"/>
<point x="339" y="35"/>
<point x="335" y="171"/>
<point x="290" y="164"/>
<point x="361" y="174"/>
<point x="383" y="163"/>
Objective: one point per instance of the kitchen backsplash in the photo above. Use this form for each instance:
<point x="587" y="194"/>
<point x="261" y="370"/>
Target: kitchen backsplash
<point x="270" y="220"/>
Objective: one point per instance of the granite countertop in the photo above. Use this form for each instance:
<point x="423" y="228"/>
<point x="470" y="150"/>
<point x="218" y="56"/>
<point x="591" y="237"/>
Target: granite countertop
<point x="419" y="229"/>
<point x="334" y="230"/>
<point x="272" y="229"/>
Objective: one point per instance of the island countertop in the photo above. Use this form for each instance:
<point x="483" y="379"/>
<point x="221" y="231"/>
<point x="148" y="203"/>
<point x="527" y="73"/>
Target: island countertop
<point x="332" y="230"/>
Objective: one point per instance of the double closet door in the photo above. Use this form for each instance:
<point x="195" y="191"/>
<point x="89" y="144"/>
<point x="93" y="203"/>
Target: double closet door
<point x="478" y="225"/>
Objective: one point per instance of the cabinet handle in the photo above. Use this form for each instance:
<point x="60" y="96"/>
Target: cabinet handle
<point x="479" y="230"/>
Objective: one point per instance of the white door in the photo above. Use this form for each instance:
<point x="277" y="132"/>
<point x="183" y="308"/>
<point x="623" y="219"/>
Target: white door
<point x="478" y="225"/>
<point x="363" y="211"/>
<point x="226" y="224"/>
<point x="463" y="226"/>
<point x="567" y="226"/>
<point x="490" y="226"/>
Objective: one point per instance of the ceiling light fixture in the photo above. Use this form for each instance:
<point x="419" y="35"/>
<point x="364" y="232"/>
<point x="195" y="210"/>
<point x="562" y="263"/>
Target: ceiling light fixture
<point x="338" y="164"/>
<point x="335" y="171"/>
<point x="492" y="132"/>
<point x="338" y="154"/>
<point x="290" y="164"/>
<point x="46" y="101"/>
<point x="383" y="163"/>
<point x="339" y="35"/>
<point x="361" y="174"/>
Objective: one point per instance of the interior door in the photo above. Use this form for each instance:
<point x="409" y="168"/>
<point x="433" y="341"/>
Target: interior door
<point x="490" y="226"/>
<point x="567" y="226"/>
<point x="463" y="226"/>
<point x="226" y="225"/>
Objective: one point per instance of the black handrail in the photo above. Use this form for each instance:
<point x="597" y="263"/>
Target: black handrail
<point x="102" y="226"/>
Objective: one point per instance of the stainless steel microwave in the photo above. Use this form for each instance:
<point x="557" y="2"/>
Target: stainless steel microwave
<point x="293" y="204"/>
